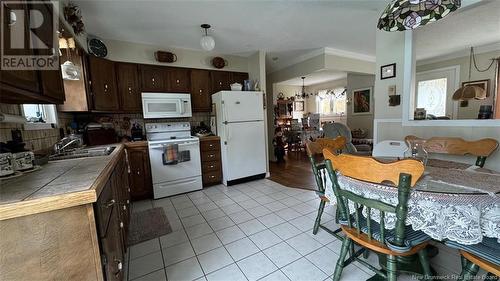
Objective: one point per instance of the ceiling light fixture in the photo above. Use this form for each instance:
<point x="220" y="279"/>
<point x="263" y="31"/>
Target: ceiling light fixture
<point x="303" y="94"/>
<point x="207" y="42"/>
<point x="467" y="92"/>
<point x="403" y="15"/>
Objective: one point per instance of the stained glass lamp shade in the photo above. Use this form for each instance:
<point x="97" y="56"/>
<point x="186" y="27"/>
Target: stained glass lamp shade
<point x="403" y="15"/>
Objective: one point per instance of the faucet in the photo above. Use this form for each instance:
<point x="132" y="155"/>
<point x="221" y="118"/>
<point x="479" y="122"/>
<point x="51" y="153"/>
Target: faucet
<point x="65" y="142"/>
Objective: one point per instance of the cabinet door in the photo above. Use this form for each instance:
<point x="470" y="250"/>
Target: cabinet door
<point x="112" y="256"/>
<point x="26" y="80"/>
<point x="128" y="87"/>
<point x="141" y="186"/>
<point x="52" y="85"/>
<point x="201" y="99"/>
<point x="179" y="79"/>
<point x="239" y="77"/>
<point x="103" y="84"/>
<point x="221" y="81"/>
<point x="154" y="78"/>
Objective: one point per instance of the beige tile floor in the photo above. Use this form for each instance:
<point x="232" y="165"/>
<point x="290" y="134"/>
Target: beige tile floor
<point x="259" y="230"/>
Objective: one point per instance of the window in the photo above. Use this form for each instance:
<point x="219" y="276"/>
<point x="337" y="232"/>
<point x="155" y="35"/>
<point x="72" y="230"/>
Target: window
<point x="331" y="102"/>
<point x="432" y="96"/>
<point x="40" y="116"/>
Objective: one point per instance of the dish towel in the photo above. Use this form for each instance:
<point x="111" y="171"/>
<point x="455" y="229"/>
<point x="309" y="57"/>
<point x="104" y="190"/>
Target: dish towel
<point x="170" y="154"/>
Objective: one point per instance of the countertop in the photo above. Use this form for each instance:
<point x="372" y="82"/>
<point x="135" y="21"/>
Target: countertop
<point x="57" y="185"/>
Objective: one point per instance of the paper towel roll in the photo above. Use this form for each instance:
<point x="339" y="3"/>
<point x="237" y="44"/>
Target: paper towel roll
<point x="9" y="118"/>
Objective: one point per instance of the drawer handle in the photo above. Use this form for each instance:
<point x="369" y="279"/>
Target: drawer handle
<point x="110" y="203"/>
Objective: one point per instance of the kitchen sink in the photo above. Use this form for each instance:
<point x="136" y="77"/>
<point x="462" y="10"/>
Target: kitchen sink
<point x="82" y="153"/>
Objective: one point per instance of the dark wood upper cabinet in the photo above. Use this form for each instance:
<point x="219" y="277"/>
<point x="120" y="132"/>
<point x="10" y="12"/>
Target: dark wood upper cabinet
<point x="221" y="81"/>
<point x="52" y="84"/>
<point x="128" y="87"/>
<point x="24" y="82"/>
<point x="154" y="78"/>
<point x="239" y="77"/>
<point x="103" y="85"/>
<point x="201" y="99"/>
<point x="179" y="80"/>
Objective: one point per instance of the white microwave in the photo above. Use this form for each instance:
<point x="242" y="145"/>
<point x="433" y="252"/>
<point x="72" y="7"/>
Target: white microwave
<point x="166" y="105"/>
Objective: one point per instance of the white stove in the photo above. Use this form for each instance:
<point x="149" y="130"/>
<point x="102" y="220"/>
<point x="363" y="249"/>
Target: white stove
<point x="183" y="176"/>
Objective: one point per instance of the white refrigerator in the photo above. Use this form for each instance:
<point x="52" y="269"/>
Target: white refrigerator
<point x="241" y="128"/>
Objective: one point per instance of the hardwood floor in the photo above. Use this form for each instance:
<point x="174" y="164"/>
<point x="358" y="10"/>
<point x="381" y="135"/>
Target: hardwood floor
<point x="294" y="172"/>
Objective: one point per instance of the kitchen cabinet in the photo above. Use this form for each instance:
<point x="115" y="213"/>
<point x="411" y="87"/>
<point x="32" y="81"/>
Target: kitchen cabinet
<point x="154" y="78"/>
<point x="179" y="80"/>
<point x="129" y="92"/>
<point x="211" y="166"/>
<point x="221" y="81"/>
<point x="141" y="185"/>
<point x="103" y="84"/>
<point x="29" y="86"/>
<point x="239" y="77"/>
<point x="75" y="91"/>
<point x="201" y="99"/>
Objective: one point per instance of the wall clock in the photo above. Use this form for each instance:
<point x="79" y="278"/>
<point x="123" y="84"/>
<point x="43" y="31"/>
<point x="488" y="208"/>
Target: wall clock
<point x="97" y="48"/>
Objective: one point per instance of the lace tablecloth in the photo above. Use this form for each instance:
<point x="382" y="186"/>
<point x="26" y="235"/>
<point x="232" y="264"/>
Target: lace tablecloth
<point x="456" y="203"/>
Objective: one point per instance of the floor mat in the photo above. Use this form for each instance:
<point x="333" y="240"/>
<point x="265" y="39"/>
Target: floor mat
<point x="148" y="224"/>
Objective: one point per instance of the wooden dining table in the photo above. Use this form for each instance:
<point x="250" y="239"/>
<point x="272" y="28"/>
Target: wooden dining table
<point x="452" y="200"/>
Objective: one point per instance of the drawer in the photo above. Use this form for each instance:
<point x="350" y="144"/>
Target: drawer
<point x="210" y="145"/>
<point x="212" y="177"/>
<point x="211" y="166"/>
<point x="210" y="156"/>
<point x="104" y="207"/>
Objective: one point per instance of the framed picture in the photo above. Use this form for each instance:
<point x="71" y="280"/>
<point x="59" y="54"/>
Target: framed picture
<point x="298" y="105"/>
<point x="388" y="71"/>
<point x="362" y="101"/>
<point x="483" y="84"/>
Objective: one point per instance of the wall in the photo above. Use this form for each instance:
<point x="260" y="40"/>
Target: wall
<point x="358" y="81"/>
<point x="483" y="60"/>
<point x="388" y="126"/>
<point x="144" y="53"/>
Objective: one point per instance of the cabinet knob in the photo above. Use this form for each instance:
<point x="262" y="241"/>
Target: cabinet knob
<point x="177" y="81"/>
<point x="211" y="166"/>
<point x="201" y="91"/>
<point x="220" y="83"/>
<point x="121" y="224"/>
<point x="124" y="207"/>
<point x="130" y="90"/>
<point x="128" y="201"/>
<point x="105" y="88"/>
<point x="212" y="177"/>
<point x="110" y="203"/>
<point x="138" y="172"/>
<point x="210" y="145"/>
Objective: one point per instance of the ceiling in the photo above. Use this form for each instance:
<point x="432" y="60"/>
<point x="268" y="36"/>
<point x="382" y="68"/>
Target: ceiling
<point x="475" y="25"/>
<point x="316" y="77"/>
<point x="284" y="29"/>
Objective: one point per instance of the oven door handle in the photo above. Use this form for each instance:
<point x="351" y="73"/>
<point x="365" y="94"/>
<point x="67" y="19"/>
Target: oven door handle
<point x="162" y="146"/>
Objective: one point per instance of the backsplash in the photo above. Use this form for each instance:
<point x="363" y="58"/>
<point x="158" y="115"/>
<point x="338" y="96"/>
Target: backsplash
<point x="35" y="139"/>
<point x="43" y="139"/>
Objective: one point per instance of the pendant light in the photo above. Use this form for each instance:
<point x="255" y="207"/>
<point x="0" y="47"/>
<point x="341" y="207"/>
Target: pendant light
<point x="303" y="94"/>
<point x="403" y="15"/>
<point x="69" y="70"/>
<point x="467" y="92"/>
<point x="207" y="42"/>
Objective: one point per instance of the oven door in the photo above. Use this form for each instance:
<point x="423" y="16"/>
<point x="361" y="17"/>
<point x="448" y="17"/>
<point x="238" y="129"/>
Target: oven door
<point x="165" y="105"/>
<point x="165" y="173"/>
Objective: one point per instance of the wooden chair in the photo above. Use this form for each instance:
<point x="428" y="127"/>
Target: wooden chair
<point x="315" y="153"/>
<point x="456" y="146"/>
<point x="485" y="255"/>
<point x="399" y="242"/>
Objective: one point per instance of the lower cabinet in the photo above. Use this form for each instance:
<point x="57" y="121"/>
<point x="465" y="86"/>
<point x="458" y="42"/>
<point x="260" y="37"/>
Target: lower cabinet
<point x="141" y="183"/>
<point x="211" y="166"/>
<point x="112" y="211"/>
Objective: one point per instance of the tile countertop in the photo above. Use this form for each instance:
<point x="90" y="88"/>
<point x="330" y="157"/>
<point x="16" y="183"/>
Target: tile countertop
<point x="57" y="185"/>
